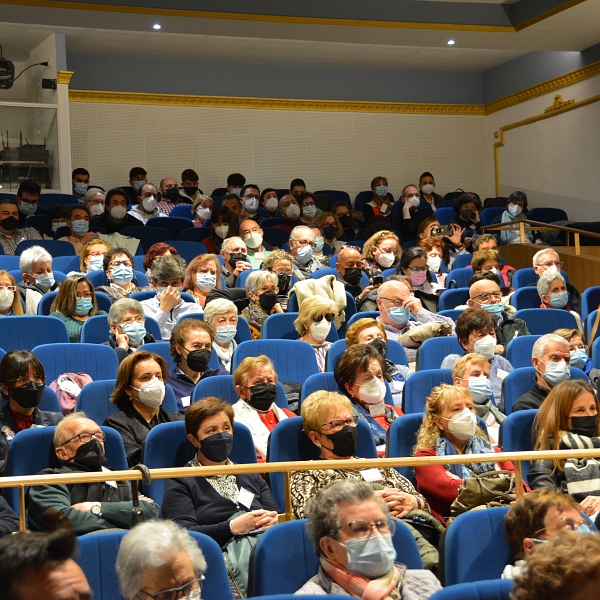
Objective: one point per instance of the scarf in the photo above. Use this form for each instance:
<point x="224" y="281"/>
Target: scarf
<point x="225" y="354"/>
<point x="255" y="315"/>
<point x="383" y="588"/>
<point x="475" y="445"/>
<point x="378" y="430"/>
<point x="582" y="475"/>
<point x="514" y="234"/>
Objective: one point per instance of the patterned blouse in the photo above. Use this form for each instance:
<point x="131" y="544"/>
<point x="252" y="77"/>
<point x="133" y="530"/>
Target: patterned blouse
<point x="224" y="485"/>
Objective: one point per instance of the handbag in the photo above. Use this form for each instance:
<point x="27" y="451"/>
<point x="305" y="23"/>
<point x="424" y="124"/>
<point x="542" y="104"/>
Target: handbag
<point x="481" y="490"/>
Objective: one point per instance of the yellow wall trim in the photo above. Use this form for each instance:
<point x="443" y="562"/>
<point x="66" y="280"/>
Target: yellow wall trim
<point x="64" y="76"/>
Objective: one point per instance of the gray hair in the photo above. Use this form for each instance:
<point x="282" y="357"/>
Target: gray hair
<point x="153" y="545"/>
<point x="323" y="510"/>
<point x="218" y="306"/>
<point x="228" y="241"/>
<point x="537" y="255"/>
<point x="89" y="195"/>
<point x="257" y="279"/>
<point x="120" y="307"/>
<point x="294" y="231"/>
<point x="545" y="281"/>
<point x="167" y="267"/>
<point x="35" y="254"/>
<point x="539" y="348"/>
<point x="391" y="284"/>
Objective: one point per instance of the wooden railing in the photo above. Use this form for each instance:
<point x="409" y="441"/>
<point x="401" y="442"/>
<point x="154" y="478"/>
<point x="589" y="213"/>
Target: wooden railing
<point x="288" y="467"/>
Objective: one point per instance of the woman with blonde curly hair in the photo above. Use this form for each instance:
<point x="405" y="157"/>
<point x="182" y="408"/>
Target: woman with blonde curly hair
<point x="449" y="428"/>
<point x="380" y="252"/>
<point x="202" y="275"/>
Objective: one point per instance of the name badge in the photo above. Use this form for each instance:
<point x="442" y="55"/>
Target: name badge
<point x="245" y="498"/>
<point x="371" y="475"/>
<point x="377" y="410"/>
<point x="384" y="207"/>
<point x="501" y="374"/>
<point x="185" y="400"/>
<point x="259" y="255"/>
<point x="112" y="484"/>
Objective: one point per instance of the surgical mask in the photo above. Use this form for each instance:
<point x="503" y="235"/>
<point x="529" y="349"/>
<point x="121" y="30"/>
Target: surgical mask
<point x="136" y="332"/>
<point x="372" y="392"/>
<point x="118" y="212"/>
<point x="352" y="275"/>
<point x="559" y="300"/>
<point x="413" y="201"/>
<point x="344" y="441"/>
<point x="151" y="393"/>
<point x="262" y="396"/>
<point x="57" y="226"/>
<point x="96" y="209"/>
<point x="428" y="188"/>
<point x="254" y="240"/>
<point x="495" y="310"/>
<point x="556" y="372"/>
<point x="386" y="259"/>
<point x="283" y="282"/>
<point x="434" y="263"/>
<point x="251" y="204"/>
<point x="267" y="301"/>
<point x="309" y="210"/>
<point x="28" y="396"/>
<point x="6" y="299"/>
<point x="514" y="210"/>
<point x="463" y="425"/>
<point x="486" y="346"/>
<point x="149" y="204"/>
<point x="122" y="274"/>
<point x="197" y="360"/>
<point x="236" y="191"/>
<point x="271" y="204"/>
<point x="292" y="211"/>
<point x="418" y="279"/>
<point x="217" y="447"/>
<point x="399" y="314"/>
<point x="305" y="254"/>
<point x="83" y="307"/>
<point x="225" y="333"/>
<point x="480" y="388"/>
<point x="190" y="190"/>
<point x="381" y="191"/>
<point x="584" y="425"/>
<point x="172" y="194"/>
<point x="329" y="232"/>
<point x="80" y="227"/>
<point x="494" y="271"/>
<point x="222" y="231"/>
<point x="203" y="213"/>
<point x="138" y="185"/>
<point x="90" y="455"/>
<point x="27" y="208"/>
<point x="45" y="281"/>
<point x="80" y="188"/>
<point x="371" y="558"/>
<point x="206" y="281"/>
<point x="319" y="244"/>
<point x="578" y="358"/>
<point x="160" y="290"/>
<point x="96" y="263"/>
<point x="320" y="330"/>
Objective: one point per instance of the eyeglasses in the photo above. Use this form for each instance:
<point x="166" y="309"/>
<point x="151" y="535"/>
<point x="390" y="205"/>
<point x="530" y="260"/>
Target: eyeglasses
<point x="131" y="320"/>
<point x="25" y="380"/>
<point x="558" y="264"/>
<point x="10" y="288"/>
<point x="84" y="438"/>
<point x="487" y="296"/>
<point x="270" y="290"/>
<point x="567" y="523"/>
<point x="193" y="589"/>
<point x="328" y="317"/>
<point x="120" y="263"/>
<point x="393" y="301"/>
<point x="364" y="529"/>
<point x="339" y="423"/>
<point x="305" y="243"/>
<point x="418" y="269"/>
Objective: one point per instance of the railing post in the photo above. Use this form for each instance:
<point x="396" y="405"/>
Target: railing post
<point x="522" y="231"/>
<point x="23" y="515"/>
<point x="577" y="248"/>
<point x="520" y="491"/>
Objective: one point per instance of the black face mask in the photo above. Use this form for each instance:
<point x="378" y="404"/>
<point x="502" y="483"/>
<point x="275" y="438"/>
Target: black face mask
<point x="10" y="223"/>
<point x="172" y="194"/>
<point x="90" y="455"/>
<point x="267" y="301"/>
<point x="217" y="447"/>
<point x="344" y="441"/>
<point x="28" y="396"/>
<point x="283" y="281"/>
<point x="235" y="258"/>
<point x="262" y="396"/>
<point x="190" y="190"/>
<point x="352" y="275"/>
<point x="466" y="215"/>
<point x="584" y="425"/>
<point x="329" y="232"/>
<point x="197" y="360"/>
<point x="345" y="221"/>
<point x="380" y="346"/>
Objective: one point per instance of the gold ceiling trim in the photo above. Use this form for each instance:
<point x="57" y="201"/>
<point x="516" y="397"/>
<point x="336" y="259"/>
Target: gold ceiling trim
<point x="64" y="76"/>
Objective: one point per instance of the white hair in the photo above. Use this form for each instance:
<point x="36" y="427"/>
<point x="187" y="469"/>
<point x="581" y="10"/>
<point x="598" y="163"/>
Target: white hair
<point x="537" y="255"/>
<point x="294" y="231"/>
<point x="216" y="307"/>
<point x="152" y="545"/>
<point x="545" y="281"/>
<point x="228" y="241"/>
<point x="89" y="195"/>
<point x="539" y="348"/>
<point x="31" y="256"/>
<point x="120" y="307"/>
<point x="257" y="279"/>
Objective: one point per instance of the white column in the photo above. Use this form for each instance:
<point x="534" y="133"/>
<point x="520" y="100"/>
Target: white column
<point x="64" y="131"/>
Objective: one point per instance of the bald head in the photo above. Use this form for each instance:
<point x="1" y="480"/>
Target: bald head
<point x="393" y="287"/>
<point x="65" y="441"/>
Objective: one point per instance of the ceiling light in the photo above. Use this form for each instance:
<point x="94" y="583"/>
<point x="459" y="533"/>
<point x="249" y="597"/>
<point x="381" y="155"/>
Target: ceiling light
<point x="156" y="26"/>
<point x="451" y="42"/>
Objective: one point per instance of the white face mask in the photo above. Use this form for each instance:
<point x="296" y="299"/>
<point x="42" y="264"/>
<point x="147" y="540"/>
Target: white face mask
<point x="203" y="213"/>
<point x="271" y="204"/>
<point x="96" y="209"/>
<point x="428" y="188"/>
<point x="251" y="204"/>
<point x="292" y="211"/>
<point x="372" y="392"/>
<point x="514" y="210"/>
<point x="552" y="270"/>
<point x="434" y="263"/>
<point x="485" y="346"/>
<point x="386" y="259"/>
<point x="6" y="299"/>
<point x="320" y="330"/>
<point x="463" y="425"/>
<point x="149" y="204"/>
<point x="254" y="240"/>
<point x="160" y="290"/>
<point x="151" y="392"/>
<point x="222" y="231"/>
<point x="310" y="210"/>
<point x="118" y="212"/>
<point x="413" y="201"/>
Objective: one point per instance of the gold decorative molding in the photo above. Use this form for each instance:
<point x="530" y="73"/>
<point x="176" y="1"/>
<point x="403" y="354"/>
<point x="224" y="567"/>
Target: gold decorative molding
<point x="64" y="76"/>
<point x="566" y="107"/>
<point x="558" y="103"/>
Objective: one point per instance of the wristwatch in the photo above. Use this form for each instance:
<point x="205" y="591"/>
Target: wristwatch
<point x="96" y="509"/>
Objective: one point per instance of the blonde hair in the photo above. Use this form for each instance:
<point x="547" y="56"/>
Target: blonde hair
<point x="249" y="364"/>
<point x="16" y="306"/>
<point x="317" y="404"/>
<point x="482" y="256"/>
<point x="358" y="327"/>
<point x="85" y="252"/>
<point x="313" y="307"/>
<point x="460" y="366"/>
<point x="379" y="237"/>
<point x="566" y="333"/>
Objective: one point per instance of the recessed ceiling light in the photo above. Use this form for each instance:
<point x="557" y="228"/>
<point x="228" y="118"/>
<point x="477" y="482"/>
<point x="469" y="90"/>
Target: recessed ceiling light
<point x="157" y="26"/>
<point x="450" y="42"/>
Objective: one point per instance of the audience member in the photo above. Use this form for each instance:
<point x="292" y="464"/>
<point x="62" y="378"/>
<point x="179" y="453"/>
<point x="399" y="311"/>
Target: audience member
<point x="169" y="195"/>
<point x="138" y="176"/>
<point x="255" y="382"/>
<point x="92" y="255"/>
<point x="116" y="217"/>
<point x="380" y="204"/>
<point x="261" y="288"/>
<point x="332" y="230"/>
<point x="156" y="555"/>
<point x="147" y="206"/>
<point x="139" y="393"/>
<point x="450" y="427"/>
<point x="78" y="221"/>
<point x="10" y="234"/>
<point x="10" y="300"/>
<point x="22" y="380"/>
<point x="427" y="187"/>
<point x="74" y="304"/>
<point x="28" y="200"/>
<point x="235" y="183"/>
<point x="516" y="210"/>
<point x="488" y="261"/>
<point x="380" y="252"/>
<point x="234" y="204"/>
<point x="349" y="267"/>
<point x="203" y="274"/>
<point x="167" y="307"/>
<point x="55" y="219"/>
<point x="224" y="224"/>
<point x="190" y="347"/>
<point x="280" y="263"/>
<point x="235" y="257"/>
<point x="289" y="209"/>
<point x="35" y="264"/>
<point x="468" y="216"/>
<point x="222" y="316"/>
<point x="252" y="235"/>
<point x="319" y="249"/>
<point x="118" y="265"/>
<point x="302" y="243"/>
<point x="202" y="209"/>
<point x="156" y="250"/>
<point x="308" y="207"/>
<point x="79" y="445"/>
<point x="297" y="187"/>
<point x="413" y="264"/>
<point x="485" y="241"/>
<point x="426" y="227"/>
<point x="189" y="187"/>
<point x="548" y="260"/>
<point x="94" y="200"/>
<point x="413" y="212"/>
<point x="437" y="257"/>
<point x="80" y="179"/>
<point x="579" y="353"/>
<point x="249" y="197"/>
<point x="269" y="201"/>
<point x="9" y="524"/>
<point x="342" y="211"/>
<point x="552" y="289"/>
<point x="126" y="320"/>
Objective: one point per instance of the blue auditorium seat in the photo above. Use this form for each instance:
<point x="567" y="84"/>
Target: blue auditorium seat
<point x="459" y="278"/>
<point x="419" y="385"/>
<point x="280" y="326"/>
<point x="395" y="353"/>
<point x="29" y="331"/>
<point x="148" y="236"/>
<point x="518" y="351"/>
<point x="174" y="225"/>
<point x="525" y="297"/>
<point x="546" y="320"/>
<point x="450" y="299"/>
<point x="517" y="435"/>
<point x="55" y="247"/>
<point x="433" y="351"/>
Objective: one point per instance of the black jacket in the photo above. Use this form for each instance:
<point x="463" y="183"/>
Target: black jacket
<point x="542" y="476"/>
<point x="113" y="226"/>
<point x="510" y="328"/>
<point x="9" y="522"/>
<point x="531" y="399"/>
<point x="121" y="352"/>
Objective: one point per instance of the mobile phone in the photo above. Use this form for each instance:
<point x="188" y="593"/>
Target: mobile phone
<point x="377" y="280"/>
<point x="443" y="230"/>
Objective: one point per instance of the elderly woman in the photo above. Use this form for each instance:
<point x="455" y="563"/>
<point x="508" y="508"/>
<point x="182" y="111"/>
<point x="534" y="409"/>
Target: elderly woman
<point x="314" y="324"/>
<point x="167" y="307"/>
<point x="552" y="289"/>
<point x="156" y="250"/>
<point x="437" y="257"/>
<point x="280" y="263"/>
<point x="354" y="559"/>
<point x="332" y="230"/>
<point x="139" y="394"/>
<point x="255" y="383"/>
<point x="10" y="301"/>
<point x="35" y="264"/>
<point x="579" y="353"/>
<point x="191" y="346"/>
<point x="118" y="264"/>
<point x="92" y="255"/>
<point x="222" y="316"/>
<point x="74" y="304"/>
<point x="379" y="205"/>
<point x="203" y="274"/>
<point x="202" y="208"/>
<point x="380" y="252"/>
<point x="157" y="555"/>
<point x="221" y="506"/>
<point x="94" y="200"/>
<point x="449" y="427"/>
<point x="261" y="288"/>
<point x="359" y="374"/>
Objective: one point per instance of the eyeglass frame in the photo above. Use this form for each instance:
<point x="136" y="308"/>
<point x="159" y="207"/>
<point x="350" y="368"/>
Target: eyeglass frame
<point x="328" y="316"/>
<point x="95" y="435"/>
<point x="344" y="422"/>
<point x="389" y="523"/>
<point x="496" y="295"/>
<point x="29" y="379"/>
<point x="176" y="591"/>
<point x="580" y="523"/>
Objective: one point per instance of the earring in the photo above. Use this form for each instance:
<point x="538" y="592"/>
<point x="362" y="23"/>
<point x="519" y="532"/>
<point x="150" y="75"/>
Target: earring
<point x="318" y="445"/>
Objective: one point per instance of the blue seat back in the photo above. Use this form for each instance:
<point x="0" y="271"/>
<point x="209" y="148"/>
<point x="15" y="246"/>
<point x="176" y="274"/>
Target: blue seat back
<point x="66" y="264"/>
<point x="167" y="445"/>
<point x="55" y="247"/>
<point x="402" y="436"/>
<point x="459" y="278"/>
<point x="589" y="326"/>
<point x="49" y="401"/>
<point x="518" y="351"/>
<point x="525" y="297"/>
<point x="419" y="385"/>
<point x="466" y="561"/>
<point x="590" y="300"/>
<point x="489" y="215"/>
<point x="195" y="234"/>
<point x="433" y="351"/>
<point x="547" y="215"/>
<point x="96" y="330"/>
<point x="8" y="262"/>
<point x="364" y="280"/>
<point x="334" y="196"/>
<point x="148" y="236"/>
<point x="517" y="435"/>
<point x="546" y="320"/>
<point x="272" y="222"/>
<point x="395" y="353"/>
<point x="49" y="200"/>
<point x="188" y="250"/>
<point x="367" y="314"/>
<point x="274" y="237"/>
<point x="596" y="353"/>
<point x="450" y="299"/>
<point x="27" y="332"/>
<point x="443" y="215"/>
<point x="280" y="326"/>
<point x="462" y="261"/>
<point x="103" y="301"/>
<point x="183" y="211"/>
<point x="174" y="225"/>
<point x="452" y="313"/>
<point x="523" y="277"/>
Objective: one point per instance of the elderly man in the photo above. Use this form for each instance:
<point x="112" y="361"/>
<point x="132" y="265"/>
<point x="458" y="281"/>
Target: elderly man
<point x="94" y="201"/>
<point x="10" y="234"/>
<point x="414" y="210"/>
<point x="349" y="268"/>
<point x="176" y="566"/>
<point x="548" y="261"/>
<point x="302" y="243"/>
<point x="41" y="566"/>
<point x="79" y="445"/>
<point x="235" y="254"/>
<point x="551" y="358"/>
<point x="147" y="206"/>
<point x="252" y="235"/>
<point x="28" y="200"/>
<point x="486" y="294"/>
<point x="36" y="266"/>
<point x="170" y="196"/>
<point x="396" y="302"/>
<point x="289" y="209"/>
